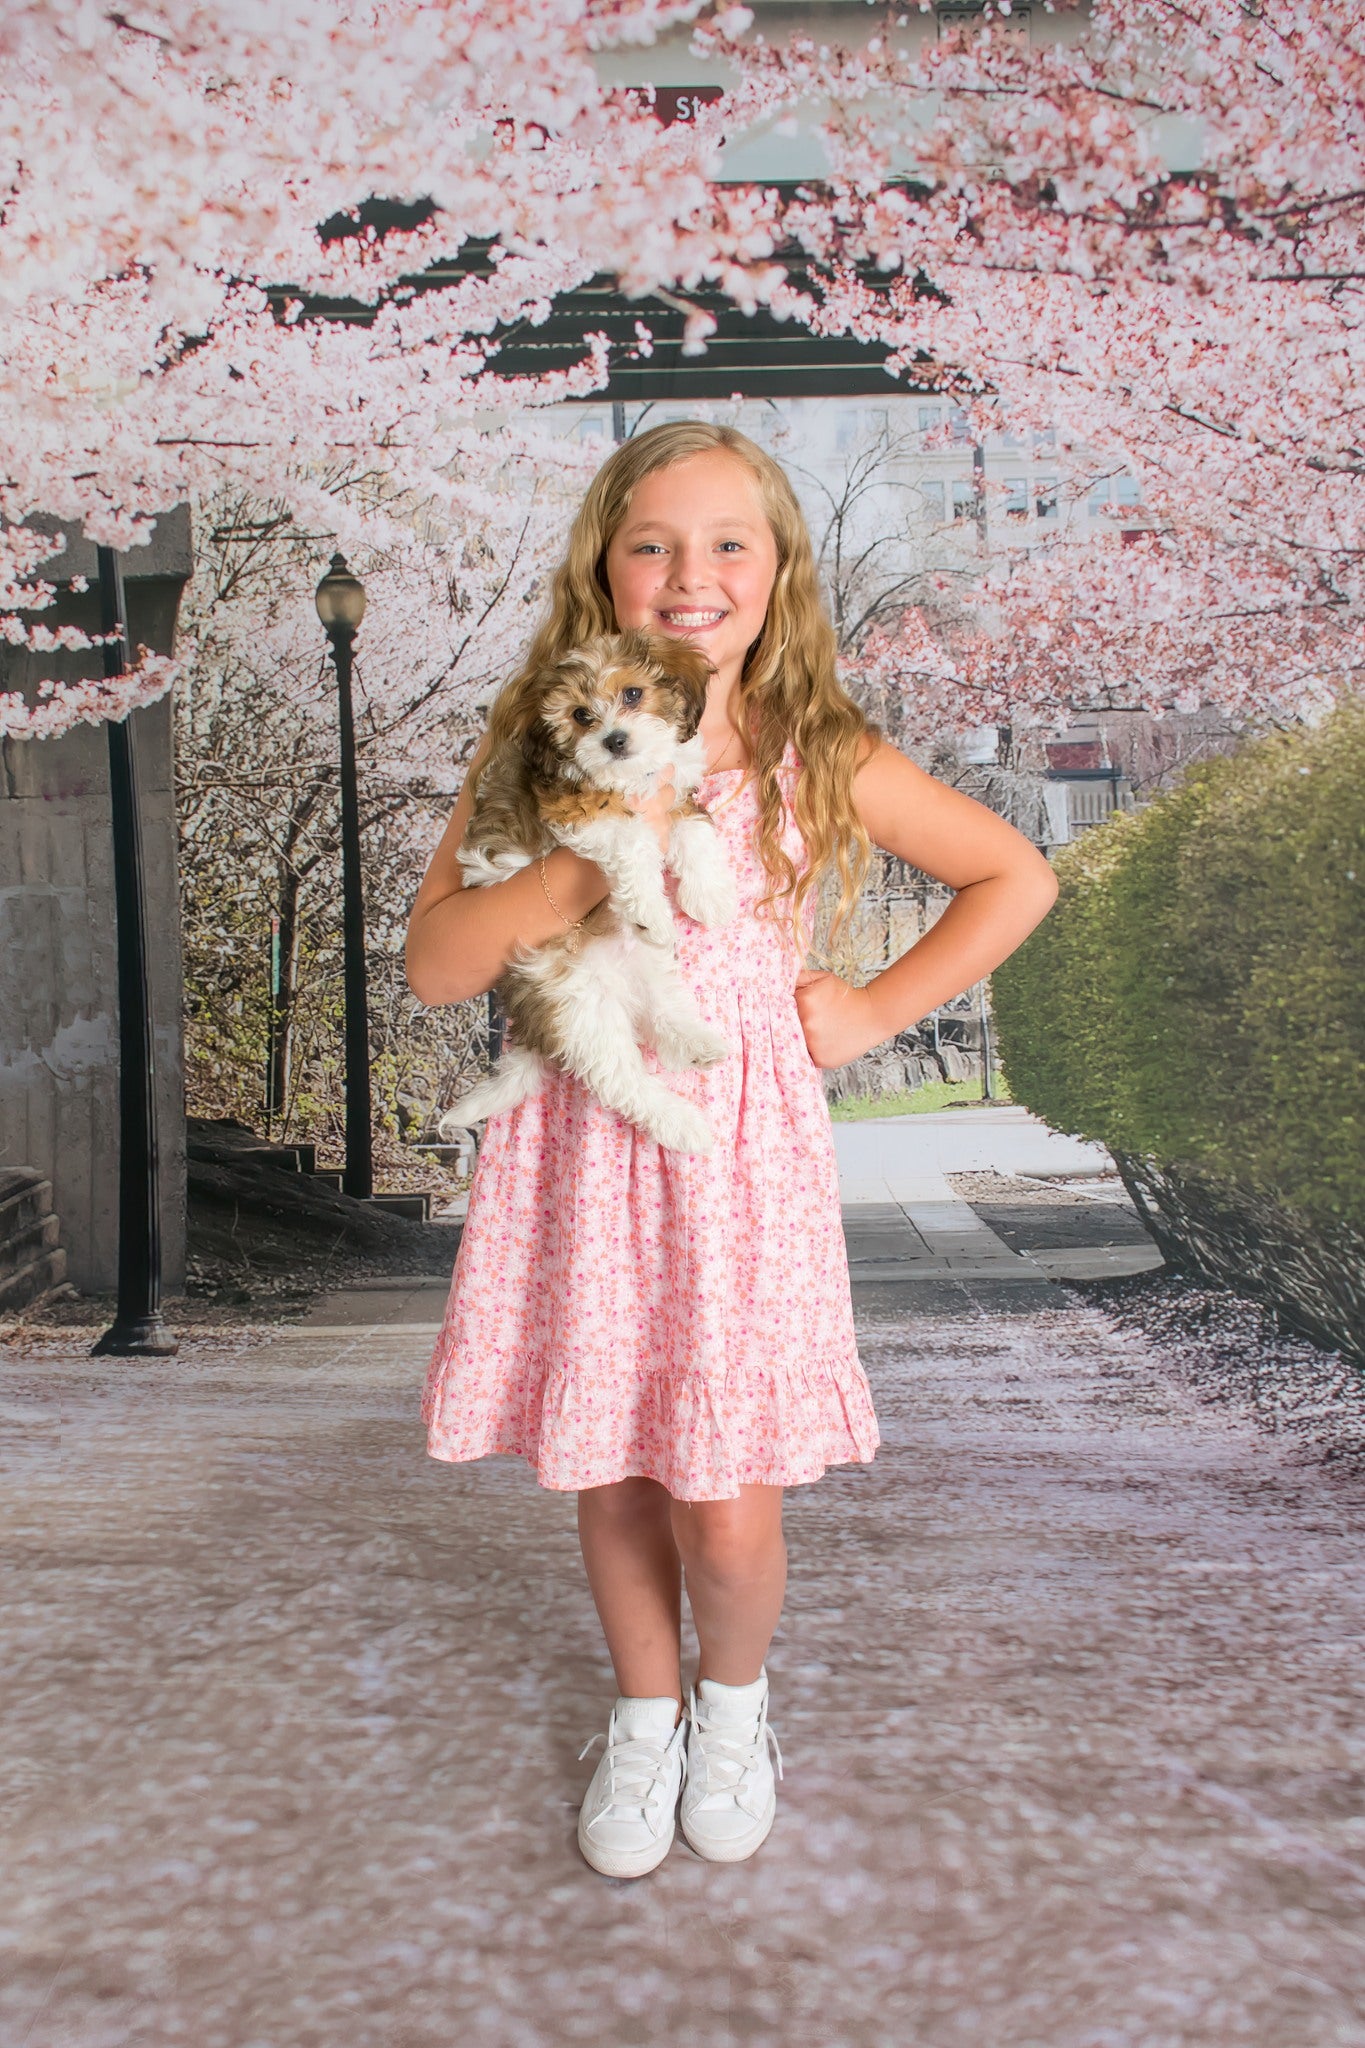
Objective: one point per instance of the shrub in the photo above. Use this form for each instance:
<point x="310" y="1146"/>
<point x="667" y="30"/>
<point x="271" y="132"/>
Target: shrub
<point x="1195" y="996"/>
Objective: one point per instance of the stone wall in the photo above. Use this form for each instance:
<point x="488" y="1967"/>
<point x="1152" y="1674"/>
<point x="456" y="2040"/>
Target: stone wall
<point x="901" y="1064"/>
<point x="58" y="942"/>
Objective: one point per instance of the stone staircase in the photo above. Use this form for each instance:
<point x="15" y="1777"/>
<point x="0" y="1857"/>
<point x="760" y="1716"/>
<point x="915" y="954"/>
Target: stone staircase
<point x="223" y="1142"/>
<point x="31" y="1260"/>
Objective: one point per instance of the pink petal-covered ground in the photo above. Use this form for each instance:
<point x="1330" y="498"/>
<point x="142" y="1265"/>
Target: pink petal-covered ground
<point x="1068" y="1687"/>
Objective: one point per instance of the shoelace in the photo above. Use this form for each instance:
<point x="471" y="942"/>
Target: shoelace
<point x="635" y="1769"/>
<point x="727" y="1746"/>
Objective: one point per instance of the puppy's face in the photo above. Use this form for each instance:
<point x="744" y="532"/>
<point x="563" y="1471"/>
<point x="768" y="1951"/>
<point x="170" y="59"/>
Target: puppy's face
<point x="612" y="713"/>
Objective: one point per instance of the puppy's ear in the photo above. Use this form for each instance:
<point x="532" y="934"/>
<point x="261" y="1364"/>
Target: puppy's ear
<point x="541" y="755"/>
<point x="688" y="670"/>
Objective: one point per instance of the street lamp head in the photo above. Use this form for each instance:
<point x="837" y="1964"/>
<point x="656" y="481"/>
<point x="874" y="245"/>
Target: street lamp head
<point x="340" y="599"/>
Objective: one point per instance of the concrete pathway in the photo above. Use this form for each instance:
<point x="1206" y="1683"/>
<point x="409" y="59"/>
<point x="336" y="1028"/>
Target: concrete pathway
<point x="905" y="1222"/>
<point x="901" y="1156"/>
<point x="1069" y="1689"/>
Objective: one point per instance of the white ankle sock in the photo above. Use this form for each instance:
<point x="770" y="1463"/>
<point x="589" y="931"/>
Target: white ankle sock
<point x="732" y="1702"/>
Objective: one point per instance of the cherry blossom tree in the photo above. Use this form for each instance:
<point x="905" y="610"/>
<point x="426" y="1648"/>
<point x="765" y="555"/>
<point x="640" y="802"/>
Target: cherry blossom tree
<point x="162" y="174"/>
<point x="257" y="777"/>
<point x="1200" y="328"/>
<point x="1146" y="229"/>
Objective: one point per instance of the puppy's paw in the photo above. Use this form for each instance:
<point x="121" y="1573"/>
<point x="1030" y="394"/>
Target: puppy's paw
<point x="656" y="925"/>
<point x="709" y="897"/>
<point x="680" y="1127"/>
<point x="711" y="1048"/>
<point x="683" y="1046"/>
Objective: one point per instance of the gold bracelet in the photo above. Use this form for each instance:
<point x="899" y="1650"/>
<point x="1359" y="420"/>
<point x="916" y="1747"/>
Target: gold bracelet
<point x="573" y="925"/>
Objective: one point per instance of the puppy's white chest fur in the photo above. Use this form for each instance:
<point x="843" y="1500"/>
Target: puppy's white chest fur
<point x="689" y="764"/>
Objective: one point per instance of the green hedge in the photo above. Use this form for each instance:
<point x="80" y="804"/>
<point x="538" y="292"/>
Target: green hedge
<point x="1197" y="996"/>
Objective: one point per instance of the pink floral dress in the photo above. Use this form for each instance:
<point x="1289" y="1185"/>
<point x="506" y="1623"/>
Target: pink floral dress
<point x="619" y="1309"/>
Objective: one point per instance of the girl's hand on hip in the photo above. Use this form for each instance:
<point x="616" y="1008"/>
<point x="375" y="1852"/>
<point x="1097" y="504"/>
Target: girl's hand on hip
<point x="840" y="1021"/>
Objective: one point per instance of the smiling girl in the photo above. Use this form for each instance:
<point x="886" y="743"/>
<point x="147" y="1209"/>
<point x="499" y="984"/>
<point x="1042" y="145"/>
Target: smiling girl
<point x="671" y="1335"/>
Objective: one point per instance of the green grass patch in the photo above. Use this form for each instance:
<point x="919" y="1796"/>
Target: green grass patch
<point x="930" y="1095"/>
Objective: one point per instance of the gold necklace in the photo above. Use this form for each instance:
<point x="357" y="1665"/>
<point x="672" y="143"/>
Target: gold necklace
<point x="714" y="769"/>
<point x="731" y="795"/>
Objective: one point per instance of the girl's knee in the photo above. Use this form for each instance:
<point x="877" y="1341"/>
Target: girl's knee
<point x="727" y="1540"/>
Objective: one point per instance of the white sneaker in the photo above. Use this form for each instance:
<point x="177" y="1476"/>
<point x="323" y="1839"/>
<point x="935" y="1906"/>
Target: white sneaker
<point x="626" y="1824"/>
<point x="729" y="1795"/>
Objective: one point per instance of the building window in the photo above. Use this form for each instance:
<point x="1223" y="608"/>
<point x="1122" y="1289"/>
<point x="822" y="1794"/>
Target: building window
<point x="964" y="498"/>
<point x="959" y="425"/>
<point x="1016" y="497"/>
<point x="930" y="416"/>
<point x="931" y="495"/>
<point x="591" y="430"/>
<point x="1098" y="494"/>
<point x="1045" y="497"/>
<point x="1045" y="437"/>
<point x="1126" y="491"/>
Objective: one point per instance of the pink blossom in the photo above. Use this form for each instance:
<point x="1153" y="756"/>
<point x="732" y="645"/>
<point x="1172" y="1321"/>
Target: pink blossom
<point x="1200" y="328"/>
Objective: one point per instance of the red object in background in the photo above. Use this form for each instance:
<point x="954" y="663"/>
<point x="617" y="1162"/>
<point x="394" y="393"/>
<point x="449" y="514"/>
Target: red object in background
<point x="1065" y="754"/>
<point x="678" y="102"/>
<point x="669" y="103"/>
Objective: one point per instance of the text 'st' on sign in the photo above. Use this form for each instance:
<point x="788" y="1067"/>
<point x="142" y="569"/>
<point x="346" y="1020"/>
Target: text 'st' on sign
<point x="677" y="102"/>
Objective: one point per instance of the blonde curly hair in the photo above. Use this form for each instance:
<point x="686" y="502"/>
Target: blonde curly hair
<point x="789" y="688"/>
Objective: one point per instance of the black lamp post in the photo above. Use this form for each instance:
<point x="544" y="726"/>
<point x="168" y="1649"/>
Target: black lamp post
<point x="341" y="607"/>
<point x="137" y="1330"/>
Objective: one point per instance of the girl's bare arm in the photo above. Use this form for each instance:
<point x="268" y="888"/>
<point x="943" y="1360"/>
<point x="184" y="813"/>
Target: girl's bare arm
<point x="460" y="940"/>
<point x="1004" y="888"/>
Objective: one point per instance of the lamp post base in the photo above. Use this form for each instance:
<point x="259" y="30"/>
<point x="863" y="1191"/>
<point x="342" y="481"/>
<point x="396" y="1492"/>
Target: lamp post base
<point x="137" y="1337"/>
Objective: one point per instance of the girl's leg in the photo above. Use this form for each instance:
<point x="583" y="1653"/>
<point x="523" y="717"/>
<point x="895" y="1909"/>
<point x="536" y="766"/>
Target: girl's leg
<point x="636" y="1580"/>
<point x="735" y="1560"/>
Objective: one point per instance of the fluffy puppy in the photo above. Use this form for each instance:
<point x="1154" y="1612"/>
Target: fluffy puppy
<point x="611" y="720"/>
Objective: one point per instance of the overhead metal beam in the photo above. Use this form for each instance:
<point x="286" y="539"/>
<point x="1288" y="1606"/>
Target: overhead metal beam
<point x="751" y="355"/>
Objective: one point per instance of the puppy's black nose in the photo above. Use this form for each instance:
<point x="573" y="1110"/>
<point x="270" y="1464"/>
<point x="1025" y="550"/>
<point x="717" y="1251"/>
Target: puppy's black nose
<point x="616" y="742"/>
